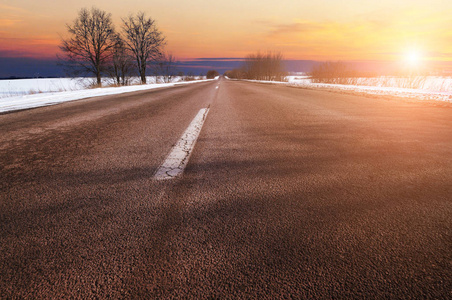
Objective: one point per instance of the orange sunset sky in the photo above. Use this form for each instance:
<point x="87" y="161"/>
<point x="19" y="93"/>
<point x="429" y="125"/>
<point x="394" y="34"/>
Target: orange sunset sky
<point x="314" y="30"/>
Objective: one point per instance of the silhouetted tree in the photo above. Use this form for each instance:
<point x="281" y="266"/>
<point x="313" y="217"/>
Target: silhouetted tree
<point x="144" y="40"/>
<point x="121" y="62"/>
<point x="89" y="47"/>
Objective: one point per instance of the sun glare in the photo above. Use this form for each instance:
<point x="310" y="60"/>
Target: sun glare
<point x="413" y="57"/>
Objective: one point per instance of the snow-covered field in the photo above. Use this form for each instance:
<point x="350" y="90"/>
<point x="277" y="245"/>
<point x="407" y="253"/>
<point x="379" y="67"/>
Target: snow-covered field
<point x="58" y="90"/>
<point x="19" y="87"/>
<point x="430" y="88"/>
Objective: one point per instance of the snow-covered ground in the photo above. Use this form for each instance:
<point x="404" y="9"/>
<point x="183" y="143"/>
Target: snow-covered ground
<point x="54" y="91"/>
<point x="28" y="93"/>
<point x="19" y="87"/>
<point x="430" y="83"/>
<point x="431" y="88"/>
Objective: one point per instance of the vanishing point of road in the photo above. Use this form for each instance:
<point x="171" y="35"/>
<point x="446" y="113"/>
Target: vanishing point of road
<point x="288" y="193"/>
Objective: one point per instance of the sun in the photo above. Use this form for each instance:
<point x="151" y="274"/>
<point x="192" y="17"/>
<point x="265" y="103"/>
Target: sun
<point x="413" y="57"/>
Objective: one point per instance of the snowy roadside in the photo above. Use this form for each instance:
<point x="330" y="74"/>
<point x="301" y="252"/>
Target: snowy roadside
<point x="44" y="99"/>
<point x="372" y="90"/>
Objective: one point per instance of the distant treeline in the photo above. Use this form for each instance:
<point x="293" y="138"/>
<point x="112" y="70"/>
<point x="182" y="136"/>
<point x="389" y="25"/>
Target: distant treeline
<point x="260" y="66"/>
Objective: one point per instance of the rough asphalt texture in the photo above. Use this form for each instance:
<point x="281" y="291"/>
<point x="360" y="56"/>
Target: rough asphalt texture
<point x="289" y="193"/>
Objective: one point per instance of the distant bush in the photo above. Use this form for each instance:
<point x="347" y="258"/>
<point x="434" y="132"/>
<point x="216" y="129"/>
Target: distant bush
<point x="260" y="66"/>
<point x="267" y="67"/>
<point x="212" y="74"/>
<point x="235" y="74"/>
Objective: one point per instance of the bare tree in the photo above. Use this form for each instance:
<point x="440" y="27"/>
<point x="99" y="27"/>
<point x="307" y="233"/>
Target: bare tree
<point x="166" y="67"/>
<point x="144" y="40"/>
<point x="267" y="66"/>
<point x="121" y="62"/>
<point x="88" y="48"/>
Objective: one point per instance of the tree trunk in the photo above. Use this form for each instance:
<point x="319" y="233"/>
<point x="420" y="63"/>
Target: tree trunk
<point x="99" y="80"/>
<point x="143" y="73"/>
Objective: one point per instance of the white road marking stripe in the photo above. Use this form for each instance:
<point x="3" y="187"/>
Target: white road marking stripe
<point x="177" y="159"/>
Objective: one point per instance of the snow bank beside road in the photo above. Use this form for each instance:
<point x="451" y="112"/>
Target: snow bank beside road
<point x="20" y="87"/>
<point x="44" y="99"/>
<point x="422" y="94"/>
<point x="386" y="91"/>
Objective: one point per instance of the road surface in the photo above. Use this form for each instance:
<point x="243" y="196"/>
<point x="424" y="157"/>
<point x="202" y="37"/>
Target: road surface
<point x="287" y="193"/>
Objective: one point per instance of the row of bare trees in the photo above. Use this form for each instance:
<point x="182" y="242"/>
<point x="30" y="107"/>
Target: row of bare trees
<point x="95" y="47"/>
<point x="268" y="66"/>
<point x="261" y="66"/>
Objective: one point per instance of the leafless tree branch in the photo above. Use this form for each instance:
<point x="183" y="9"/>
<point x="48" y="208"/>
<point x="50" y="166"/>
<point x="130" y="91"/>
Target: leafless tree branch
<point x="143" y="40"/>
<point x="89" y="47"/>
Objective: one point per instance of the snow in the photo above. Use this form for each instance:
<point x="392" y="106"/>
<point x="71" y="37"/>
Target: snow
<point x="433" y="87"/>
<point x="29" y="93"/>
<point x="19" y="87"/>
<point x="50" y="91"/>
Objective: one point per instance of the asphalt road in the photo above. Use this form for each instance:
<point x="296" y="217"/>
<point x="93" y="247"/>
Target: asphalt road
<point x="289" y="193"/>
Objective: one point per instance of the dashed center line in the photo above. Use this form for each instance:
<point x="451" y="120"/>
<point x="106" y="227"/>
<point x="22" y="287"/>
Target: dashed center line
<point x="177" y="159"/>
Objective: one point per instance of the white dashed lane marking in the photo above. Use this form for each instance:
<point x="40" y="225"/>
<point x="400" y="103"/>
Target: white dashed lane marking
<point x="177" y="159"/>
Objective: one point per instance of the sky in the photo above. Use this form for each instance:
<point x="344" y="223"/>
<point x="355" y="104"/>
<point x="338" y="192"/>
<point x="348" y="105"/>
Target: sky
<point x="360" y="30"/>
